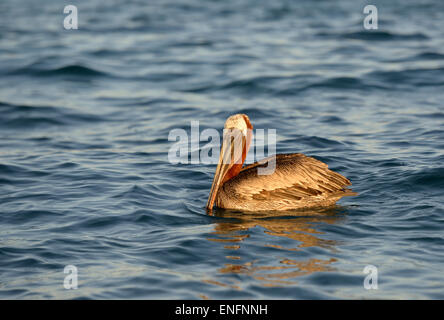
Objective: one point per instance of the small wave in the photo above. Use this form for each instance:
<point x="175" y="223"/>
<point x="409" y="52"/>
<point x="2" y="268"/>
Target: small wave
<point x="293" y="85"/>
<point x="27" y="117"/>
<point x="195" y="43"/>
<point x="32" y="122"/>
<point x="434" y="133"/>
<point x="25" y="216"/>
<point x="165" y="76"/>
<point x="71" y="70"/>
<point x="375" y="36"/>
<point x="318" y="142"/>
<point x="131" y="102"/>
<point x="137" y="192"/>
<point x="418" y="77"/>
<point x="421" y="57"/>
<point x="18" y="171"/>
<point x="429" y="56"/>
<point x="250" y="85"/>
<point x="334" y="120"/>
<point x="339" y="82"/>
<point x="432" y="178"/>
<point x="434" y="115"/>
<point x="100" y="222"/>
<point x="428" y="240"/>
<point x="346" y="83"/>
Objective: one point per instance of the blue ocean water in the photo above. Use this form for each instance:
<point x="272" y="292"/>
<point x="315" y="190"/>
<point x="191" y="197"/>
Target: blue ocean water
<point x="85" y="178"/>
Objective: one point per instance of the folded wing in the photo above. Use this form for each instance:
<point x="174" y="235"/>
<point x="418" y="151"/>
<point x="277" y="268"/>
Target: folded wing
<point x="296" y="177"/>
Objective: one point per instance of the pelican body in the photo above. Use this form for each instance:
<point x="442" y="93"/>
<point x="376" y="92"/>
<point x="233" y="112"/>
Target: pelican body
<point x="297" y="181"/>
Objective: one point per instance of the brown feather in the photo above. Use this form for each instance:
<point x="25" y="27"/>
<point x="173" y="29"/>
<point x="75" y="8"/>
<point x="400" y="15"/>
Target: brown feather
<point x="297" y="182"/>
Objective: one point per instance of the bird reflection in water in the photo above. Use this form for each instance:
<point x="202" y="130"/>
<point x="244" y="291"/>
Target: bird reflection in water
<point x="298" y="226"/>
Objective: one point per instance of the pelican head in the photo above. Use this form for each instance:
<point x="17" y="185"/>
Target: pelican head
<point x="236" y="142"/>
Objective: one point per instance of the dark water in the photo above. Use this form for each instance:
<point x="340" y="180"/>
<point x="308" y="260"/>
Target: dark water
<point x="84" y="121"/>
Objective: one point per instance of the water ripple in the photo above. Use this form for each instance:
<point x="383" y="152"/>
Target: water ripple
<point x="84" y="173"/>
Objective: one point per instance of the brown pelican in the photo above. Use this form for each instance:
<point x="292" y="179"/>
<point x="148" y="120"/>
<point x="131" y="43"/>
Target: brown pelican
<point x="297" y="181"/>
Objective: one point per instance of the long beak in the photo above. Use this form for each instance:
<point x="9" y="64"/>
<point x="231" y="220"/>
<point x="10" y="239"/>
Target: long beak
<point x="231" y="154"/>
<point x="221" y="170"/>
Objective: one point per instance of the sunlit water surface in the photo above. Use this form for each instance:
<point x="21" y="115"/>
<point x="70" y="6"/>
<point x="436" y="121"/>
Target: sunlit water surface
<point x="85" y="178"/>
